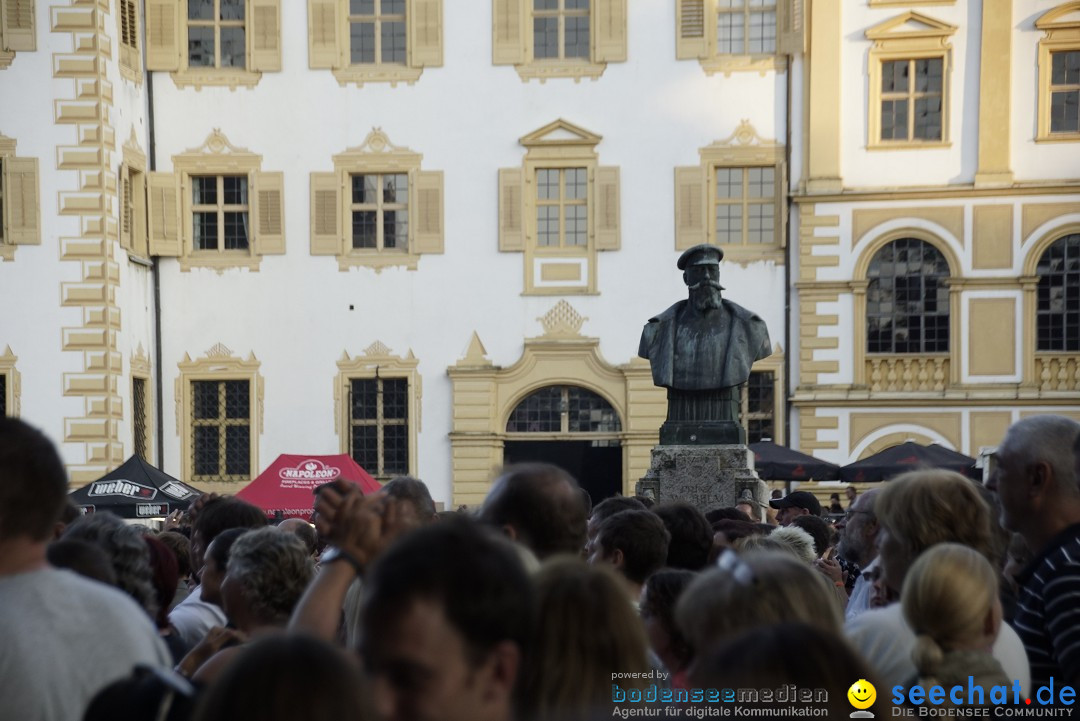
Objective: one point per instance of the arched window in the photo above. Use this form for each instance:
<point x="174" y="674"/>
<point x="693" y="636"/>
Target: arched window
<point x="1058" y="313"/>
<point x="907" y="300"/>
<point x="563" y="409"/>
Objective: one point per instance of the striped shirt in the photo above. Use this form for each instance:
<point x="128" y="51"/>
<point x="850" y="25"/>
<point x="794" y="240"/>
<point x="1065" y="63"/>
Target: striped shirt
<point x="1048" y="611"/>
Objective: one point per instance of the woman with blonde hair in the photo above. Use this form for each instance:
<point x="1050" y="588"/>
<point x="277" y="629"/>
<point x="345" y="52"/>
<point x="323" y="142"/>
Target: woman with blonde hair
<point x="950" y="600"/>
<point x="585" y="630"/>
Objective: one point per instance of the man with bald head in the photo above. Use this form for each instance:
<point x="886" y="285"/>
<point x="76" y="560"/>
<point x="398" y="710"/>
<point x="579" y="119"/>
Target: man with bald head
<point x="539" y="506"/>
<point x="1036" y="483"/>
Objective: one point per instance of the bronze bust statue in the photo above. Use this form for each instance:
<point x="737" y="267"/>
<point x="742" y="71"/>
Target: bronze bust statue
<point x="701" y="350"/>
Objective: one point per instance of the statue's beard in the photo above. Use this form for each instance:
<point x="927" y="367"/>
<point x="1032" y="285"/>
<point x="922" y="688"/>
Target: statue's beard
<point x="706" y="295"/>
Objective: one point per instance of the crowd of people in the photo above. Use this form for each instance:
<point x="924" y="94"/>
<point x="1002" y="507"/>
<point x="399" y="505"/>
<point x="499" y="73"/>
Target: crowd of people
<point x="538" y="606"/>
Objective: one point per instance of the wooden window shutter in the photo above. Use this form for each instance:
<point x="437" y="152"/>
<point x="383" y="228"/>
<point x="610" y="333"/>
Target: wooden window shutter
<point x="163" y="35"/>
<point x="324" y="19"/>
<point x="790" y="27"/>
<point x="138" y="228"/>
<point x="163" y="208"/>
<point x="425" y="33"/>
<point x="609" y="23"/>
<point x="607" y="208"/>
<point x="21" y="201"/>
<point x="325" y="215"/>
<point x="129" y="31"/>
<point x="690" y="207"/>
<point x="508" y="32"/>
<point x="265" y="37"/>
<point x="428" y="220"/>
<point x="269" y="213"/>
<point x="18" y="25"/>
<point x="126" y="212"/>
<point x="511" y="210"/>
<point x="691" y="39"/>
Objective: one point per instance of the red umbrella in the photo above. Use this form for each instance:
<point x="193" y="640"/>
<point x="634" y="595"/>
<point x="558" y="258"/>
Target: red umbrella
<point x="288" y="484"/>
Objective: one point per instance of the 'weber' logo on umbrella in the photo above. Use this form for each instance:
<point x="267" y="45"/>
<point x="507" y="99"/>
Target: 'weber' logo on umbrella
<point x="122" y="488"/>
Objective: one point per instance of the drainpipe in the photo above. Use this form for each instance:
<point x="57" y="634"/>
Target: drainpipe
<point x="787" y="256"/>
<point x="159" y="410"/>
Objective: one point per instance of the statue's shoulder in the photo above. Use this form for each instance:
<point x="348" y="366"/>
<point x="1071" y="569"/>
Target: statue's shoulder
<point x="668" y="315"/>
<point x="741" y="313"/>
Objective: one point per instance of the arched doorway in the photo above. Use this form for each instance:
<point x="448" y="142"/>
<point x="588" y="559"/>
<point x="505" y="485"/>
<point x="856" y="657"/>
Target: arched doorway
<point x="573" y="428"/>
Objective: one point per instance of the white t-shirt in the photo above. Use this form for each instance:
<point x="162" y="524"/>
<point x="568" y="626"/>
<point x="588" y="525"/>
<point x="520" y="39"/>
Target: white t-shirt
<point x="884" y="639"/>
<point x="63" y="638"/>
<point x="193" y="617"/>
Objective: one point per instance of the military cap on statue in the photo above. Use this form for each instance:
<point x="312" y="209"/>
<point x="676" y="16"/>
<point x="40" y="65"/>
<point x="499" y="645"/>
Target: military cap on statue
<point x="701" y="255"/>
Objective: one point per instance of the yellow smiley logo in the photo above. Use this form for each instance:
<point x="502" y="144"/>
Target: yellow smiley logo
<point x="862" y="694"/>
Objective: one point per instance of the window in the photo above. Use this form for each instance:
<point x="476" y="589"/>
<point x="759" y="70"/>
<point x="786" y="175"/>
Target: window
<point x="560" y="29"/>
<point x="219" y="211"/>
<point x="9" y="384"/>
<point x="379" y="425"/>
<point x="20" y="216"/>
<point x="210" y="218"/>
<point x="17" y="31"/>
<point x="907" y="299"/>
<point x="377" y="208"/>
<point x="215" y="34"/>
<point x="561" y="207"/>
<point x="569" y="213"/>
<point x="730" y="35"/>
<point x="911" y="100"/>
<point x="140" y="436"/>
<point x="909" y="86"/>
<point x="1065" y="92"/>
<point x="375" y="40"/>
<point x="733" y="198"/>
<point x="377" y="398"/>
<point x="3" y="394"/>
<point x="746" y="27"/>
<point x="377" y="32"/>
<point x="219" y="405"/>
<point x="745" y="205"/>
<point x="1058" y="309"/>
<point x="127" y="12"/>
<point x="1059" y="74"/>
<point x="380" y="211"/>
<point x="213" y="42"/>
<point x="563" y="409"/>
<point x="221" y="430"/>
<point x="559" y="38"/>
<point x="759" y="406"/>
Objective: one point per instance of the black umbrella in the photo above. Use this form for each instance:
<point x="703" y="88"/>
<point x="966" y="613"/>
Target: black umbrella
<point x="908" y="456"/>
<point x="779" y="463"/>
<point x="135" y="490"/>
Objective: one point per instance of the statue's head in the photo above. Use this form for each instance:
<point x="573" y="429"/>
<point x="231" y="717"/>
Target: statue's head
<point x="701" y="273"/>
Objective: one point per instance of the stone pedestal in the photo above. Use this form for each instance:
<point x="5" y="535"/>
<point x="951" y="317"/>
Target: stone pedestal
<point x="707" y="477"/>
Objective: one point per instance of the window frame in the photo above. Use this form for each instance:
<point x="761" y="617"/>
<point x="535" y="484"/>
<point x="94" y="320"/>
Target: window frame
<point x="12" y="384"/>
<point x="1059" y="35"/>
<point x="129" y="27"/>
<point x="697" y="36"/>
<point x="695" y="188"/>
<point x="380" y="207"/>
<point x="942" y="282"/>
<point x="514" y="43"/>
<point x="941" y="370"/>
<point x="220" y="208"/>
<point x="218" y="364"/>
<point x="379" y="422"/>
<point x="377" y="19"/>
<point x="331" y="205"/>
<point x="910" y="36"/>
<point x="140" y="370"/>
<point x="377" y="361"/>
<point x="1040" y="314"/>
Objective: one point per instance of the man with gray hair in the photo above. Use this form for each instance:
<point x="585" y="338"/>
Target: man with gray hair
<point x="1036" y="483"/>
<point x="858" y="546"/>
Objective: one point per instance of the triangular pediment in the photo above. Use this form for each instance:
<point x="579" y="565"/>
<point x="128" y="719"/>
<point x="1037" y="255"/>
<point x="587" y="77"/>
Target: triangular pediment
<point x="910" y="25"/>
<point x="1064" y="16"/>
<point x="560" y="132"/>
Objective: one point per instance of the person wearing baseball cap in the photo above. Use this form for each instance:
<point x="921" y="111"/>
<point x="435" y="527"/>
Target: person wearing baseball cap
<point x="797" y="503"/>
